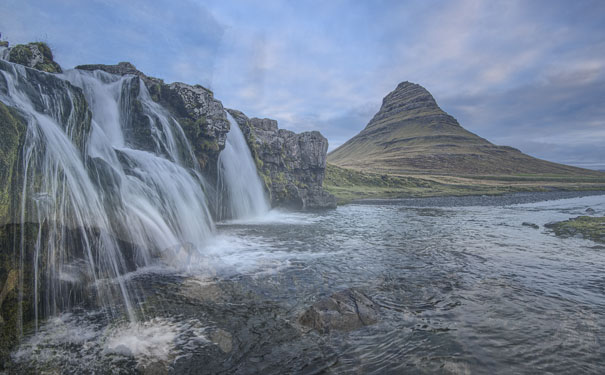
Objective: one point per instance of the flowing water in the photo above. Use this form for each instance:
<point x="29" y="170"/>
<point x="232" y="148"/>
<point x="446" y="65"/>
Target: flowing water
<point x="242" y="195"/>
<point x="4" y="53"/>
<point x="105" y="202"/>
<point x="463" y="287"/>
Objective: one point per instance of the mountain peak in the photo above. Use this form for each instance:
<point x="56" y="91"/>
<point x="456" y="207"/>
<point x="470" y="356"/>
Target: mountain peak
<point x="409" y="100"/>
<point x="410" y="133"/>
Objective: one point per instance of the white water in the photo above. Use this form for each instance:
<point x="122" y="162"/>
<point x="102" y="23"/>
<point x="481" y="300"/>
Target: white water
<point x="240" y="187"/>
<point x="109" y="205"/>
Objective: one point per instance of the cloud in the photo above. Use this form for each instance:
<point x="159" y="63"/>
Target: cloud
<point x="502" y="67"/>
<point x="174" y="41"/>
<point x="560" y="118"/>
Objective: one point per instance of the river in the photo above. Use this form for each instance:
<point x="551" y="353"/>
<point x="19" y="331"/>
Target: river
<point x="462" y="286"/>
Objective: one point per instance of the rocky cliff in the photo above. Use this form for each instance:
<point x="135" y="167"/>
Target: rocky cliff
<point x="201" y="116"/>
<point x="412" y="134"/>
<point x="292" y="165"/>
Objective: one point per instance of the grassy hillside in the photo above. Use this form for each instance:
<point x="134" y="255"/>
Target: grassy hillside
<point x="349" y="184"/>
<point x="410" y="134"/>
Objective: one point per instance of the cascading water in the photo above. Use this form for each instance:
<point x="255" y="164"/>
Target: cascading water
<point x="106" y="199"/>
<point x="4" y="53"/>
<point x="240" y="187"/>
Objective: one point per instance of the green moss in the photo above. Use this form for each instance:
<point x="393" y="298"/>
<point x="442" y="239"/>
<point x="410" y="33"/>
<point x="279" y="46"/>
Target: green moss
<point x="587" y="226"/>
<point x="12" y="128"/>
<point x="20" y="54"/>
<point x="280" y="178"/>
<point x="23" y="54"/>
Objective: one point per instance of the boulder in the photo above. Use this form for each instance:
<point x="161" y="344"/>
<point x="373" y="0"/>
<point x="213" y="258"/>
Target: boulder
<point x="34" y="55"/>
<point x="343" y="311"/>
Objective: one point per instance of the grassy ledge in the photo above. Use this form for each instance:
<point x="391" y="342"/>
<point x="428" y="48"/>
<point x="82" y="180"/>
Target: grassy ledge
<point x="349" y="184"/>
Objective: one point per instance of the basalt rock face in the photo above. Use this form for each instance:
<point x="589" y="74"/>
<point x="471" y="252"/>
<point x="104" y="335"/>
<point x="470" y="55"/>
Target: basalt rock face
<point x="201" y="116"/>
<point x="292" y="165"/>
<point x="412" y="134"/>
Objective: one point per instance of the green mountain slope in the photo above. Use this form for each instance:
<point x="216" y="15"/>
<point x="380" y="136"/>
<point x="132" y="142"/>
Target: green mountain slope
<point x="411" y="134"/>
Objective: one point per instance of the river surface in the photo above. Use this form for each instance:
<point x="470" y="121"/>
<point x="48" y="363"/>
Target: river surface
<point x="463" y="288"/>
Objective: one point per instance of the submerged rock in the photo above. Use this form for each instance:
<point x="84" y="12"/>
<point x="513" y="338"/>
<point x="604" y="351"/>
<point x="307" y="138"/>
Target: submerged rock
<point x="292" y="165"/>
<point x="590" y="211"/>
<point x="222" y="339"/>
<point x="531" y="225"/>
<point x="346" y="310"/>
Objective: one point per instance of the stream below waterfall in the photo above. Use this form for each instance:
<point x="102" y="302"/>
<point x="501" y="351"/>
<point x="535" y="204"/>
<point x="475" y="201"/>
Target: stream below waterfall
<point x="462" y="288"/>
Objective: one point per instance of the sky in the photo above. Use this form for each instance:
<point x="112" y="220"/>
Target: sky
<point x="528" y="74"/>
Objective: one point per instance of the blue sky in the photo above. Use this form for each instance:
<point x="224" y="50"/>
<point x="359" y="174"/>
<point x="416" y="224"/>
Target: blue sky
<point x="529" y="74"/>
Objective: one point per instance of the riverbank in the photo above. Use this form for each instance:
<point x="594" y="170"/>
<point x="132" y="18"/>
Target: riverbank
<point x="348" y="185"/>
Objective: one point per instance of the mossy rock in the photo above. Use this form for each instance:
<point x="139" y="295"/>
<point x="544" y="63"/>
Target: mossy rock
<point x="13" y="129"/>
<point x="589" y="227"/>
<point x="36" y="55"/>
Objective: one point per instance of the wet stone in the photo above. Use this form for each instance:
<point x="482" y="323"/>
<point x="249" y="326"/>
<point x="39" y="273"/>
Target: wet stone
<point x="222" y="339"/>
<point x="531" y="225"/>
<point x="343" y="311"/>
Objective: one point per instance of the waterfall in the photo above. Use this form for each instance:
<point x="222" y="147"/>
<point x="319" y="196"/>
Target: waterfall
<point x="4" y="51"/>
<point x="241" y="191"/>
<point x="108" y="199"/>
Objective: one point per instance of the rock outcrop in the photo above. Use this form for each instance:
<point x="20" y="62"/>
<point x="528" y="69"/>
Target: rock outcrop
<point x="343" y="311"/>
<point x="201" y="116"/>
<point x="292" y="165"/>
<point x="34" y="55"/>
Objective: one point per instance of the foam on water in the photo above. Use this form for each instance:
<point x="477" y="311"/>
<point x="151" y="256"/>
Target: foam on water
<point x="276" y="217"/>
<point x="74" y="340"/>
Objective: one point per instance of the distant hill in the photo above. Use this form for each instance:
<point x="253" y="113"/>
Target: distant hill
<point x="411" y="134"/>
